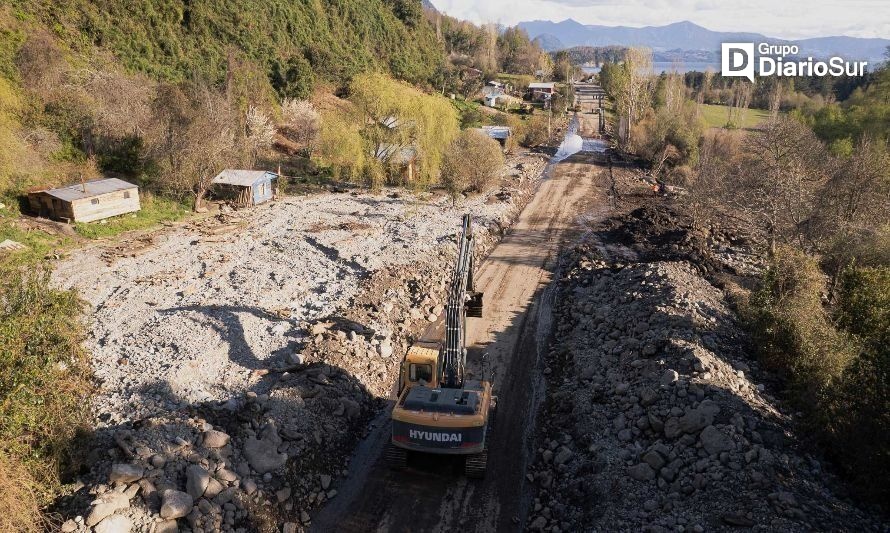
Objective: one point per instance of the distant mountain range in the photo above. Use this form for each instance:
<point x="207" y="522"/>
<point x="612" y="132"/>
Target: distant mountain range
<point x="687" y="36"/>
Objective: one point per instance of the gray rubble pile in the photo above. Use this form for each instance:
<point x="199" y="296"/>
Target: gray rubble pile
<point x="248" y="421"/>
<point x="655" y="419"/>
<point x="262" y="462"/>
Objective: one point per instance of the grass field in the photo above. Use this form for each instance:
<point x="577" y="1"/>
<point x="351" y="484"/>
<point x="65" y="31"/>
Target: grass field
<point x="155" y="210"/>
<point x="40" y="244"/>
<point x="716" y="116"/>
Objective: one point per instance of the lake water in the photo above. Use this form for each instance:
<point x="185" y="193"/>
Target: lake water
<point x="660" y="67"/>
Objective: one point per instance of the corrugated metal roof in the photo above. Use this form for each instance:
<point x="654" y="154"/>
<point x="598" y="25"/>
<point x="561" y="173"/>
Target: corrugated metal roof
<point x="90" y="189"/>
<point x="395" y="154"/>
<point x="497" y="132"/>
<point x="243" y="178"/>
<point x="541" y="85"/>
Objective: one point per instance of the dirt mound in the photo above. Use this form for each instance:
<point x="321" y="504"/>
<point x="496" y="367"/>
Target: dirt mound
<point x="657" y="232"/>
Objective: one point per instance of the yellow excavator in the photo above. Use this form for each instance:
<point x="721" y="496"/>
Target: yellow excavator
<point x="440" y="410"/>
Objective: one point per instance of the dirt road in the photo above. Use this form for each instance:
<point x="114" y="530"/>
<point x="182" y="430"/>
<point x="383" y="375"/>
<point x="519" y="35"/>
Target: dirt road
<point x="434" y="496"/>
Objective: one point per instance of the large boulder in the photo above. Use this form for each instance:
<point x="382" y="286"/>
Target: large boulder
<point x="693" y="421"/>
<point x="262" y="453"/>
<point x="105" y="506"/>
<point x="215" y="439"/>
<point x="176" y="504"/>
<point x="197" y="479"/>
<point x="641" y="472"/>
<point x="715" y="441"/>
<point x="114" y="524"/>
<point x="125" y="473"/>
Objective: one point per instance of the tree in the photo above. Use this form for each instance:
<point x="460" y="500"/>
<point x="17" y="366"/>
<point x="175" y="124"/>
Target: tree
<point x="471" y="163"/>
<point x="545" y="66"/>
<point x="780" y="179"/>
<point x="629" y="85"/>
<point x="850" y="222"/>
<point x="258" y="133"/>
<point x="340" y="146"/>
<point x="300" y="122"/>
<point x="292" y="78"/>
<point x="563" y="69"/>
<point x="638" y="62"/>
<point x="395" y="116"/>
<point x="718" y="155"/>
<point x="741" y="97"/>
<point x="191" y="139"/>
<point x="518" y="54"/>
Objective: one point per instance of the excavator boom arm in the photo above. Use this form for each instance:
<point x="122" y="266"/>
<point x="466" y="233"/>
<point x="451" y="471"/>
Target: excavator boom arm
<point x="452" y="358"/>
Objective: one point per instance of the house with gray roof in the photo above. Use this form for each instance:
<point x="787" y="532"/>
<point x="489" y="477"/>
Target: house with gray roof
<point x="86" y="202"/>
<point x="245" y="187"/>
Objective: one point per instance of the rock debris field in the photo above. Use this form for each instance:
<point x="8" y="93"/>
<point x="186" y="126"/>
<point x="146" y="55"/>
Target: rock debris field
<point x="240" y="359"/>
<point x="655" y="417"/>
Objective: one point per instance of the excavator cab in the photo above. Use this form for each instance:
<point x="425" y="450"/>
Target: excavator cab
<point x="420" y="367"/>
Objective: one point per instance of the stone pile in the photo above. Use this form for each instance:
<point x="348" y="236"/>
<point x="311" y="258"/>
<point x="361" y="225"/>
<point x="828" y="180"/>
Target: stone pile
<point x="656" y="420"/>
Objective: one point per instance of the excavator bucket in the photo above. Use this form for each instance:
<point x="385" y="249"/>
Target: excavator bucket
<point x="474" y="305"/>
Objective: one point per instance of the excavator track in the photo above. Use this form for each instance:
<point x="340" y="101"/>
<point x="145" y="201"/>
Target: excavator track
<point x="476" y="465"/>
<point x="396" y="458"/>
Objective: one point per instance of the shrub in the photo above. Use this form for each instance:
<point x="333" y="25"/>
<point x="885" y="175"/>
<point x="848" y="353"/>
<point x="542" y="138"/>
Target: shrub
<point x="840" y="371"/>
<point x="471" y="163"/>
<point x="792" y="329"/>
<point x="534" y="131"/>
<point x="859" y="408"/>
<point x="44" y="386"/>
<point x="21" y="511"/>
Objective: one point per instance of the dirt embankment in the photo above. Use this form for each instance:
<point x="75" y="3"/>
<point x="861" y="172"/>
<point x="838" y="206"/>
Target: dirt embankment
<point x="656" y="417"/>
<point x="239" y="366"/>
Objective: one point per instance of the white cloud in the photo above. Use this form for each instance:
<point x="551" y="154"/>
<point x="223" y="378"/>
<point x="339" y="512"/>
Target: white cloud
<point x="788" y="20"/>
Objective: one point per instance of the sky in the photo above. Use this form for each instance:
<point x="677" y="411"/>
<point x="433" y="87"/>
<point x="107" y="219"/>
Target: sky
<point x="774" y="18"/>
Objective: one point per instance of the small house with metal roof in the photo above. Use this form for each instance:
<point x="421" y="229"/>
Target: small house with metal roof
<point x="542" y="91"/>
<point x="86" y="202"/>
<point x="400" y="159"/>
<point x="499" y="133"/>
<point x="245" y="187"/>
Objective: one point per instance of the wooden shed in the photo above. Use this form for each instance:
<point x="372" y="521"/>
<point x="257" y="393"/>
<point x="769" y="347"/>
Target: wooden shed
<point x="86" y="202"/>
<point x="245" y="187"/>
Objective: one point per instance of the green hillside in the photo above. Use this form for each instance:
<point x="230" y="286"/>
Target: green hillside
<point x="294" y="40"/>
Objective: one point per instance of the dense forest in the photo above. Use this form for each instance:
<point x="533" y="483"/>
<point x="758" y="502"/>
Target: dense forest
<point x="175" y="40"/>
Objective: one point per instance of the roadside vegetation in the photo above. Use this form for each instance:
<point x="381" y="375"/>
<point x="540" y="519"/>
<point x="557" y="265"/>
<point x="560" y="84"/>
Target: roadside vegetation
<point x="44" y="388"/>
<point x="471" y="164"/>
<point x="805" y="170"/>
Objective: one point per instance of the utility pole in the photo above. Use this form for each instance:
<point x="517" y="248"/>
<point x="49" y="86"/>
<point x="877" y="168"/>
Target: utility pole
<point x="549" y="115"/>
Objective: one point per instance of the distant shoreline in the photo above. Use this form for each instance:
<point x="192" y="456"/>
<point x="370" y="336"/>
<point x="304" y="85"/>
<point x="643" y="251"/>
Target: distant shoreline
<point x="669" y="66"/>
